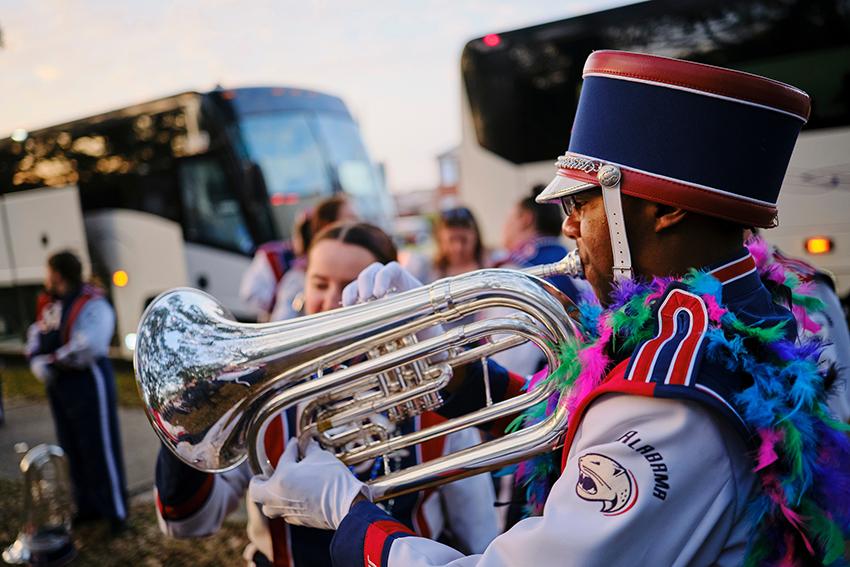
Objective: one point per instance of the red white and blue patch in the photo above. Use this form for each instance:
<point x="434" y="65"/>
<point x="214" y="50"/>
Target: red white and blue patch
<point x="672" y="355"/>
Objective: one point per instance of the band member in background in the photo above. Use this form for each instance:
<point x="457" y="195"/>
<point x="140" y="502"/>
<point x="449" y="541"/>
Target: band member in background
<point x="532" y="236"/>
<point x="459" y="246"/>
<point x="192" y="503"/>
<point x="698" y="430"/>
<point x="67" y="348"/>
<point x="260" y="286"/>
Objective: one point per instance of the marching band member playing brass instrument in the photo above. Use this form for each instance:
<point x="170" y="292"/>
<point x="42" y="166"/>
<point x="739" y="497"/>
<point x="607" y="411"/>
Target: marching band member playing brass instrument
<point x="698" y="432"/>
<point x="192" y="503"/>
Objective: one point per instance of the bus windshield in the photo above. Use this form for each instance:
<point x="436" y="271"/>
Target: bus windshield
<point x="349" y="157"/>
<point x="356" y="174"/>
<point x="285" y="147"/>
<point x="305" y="156"/>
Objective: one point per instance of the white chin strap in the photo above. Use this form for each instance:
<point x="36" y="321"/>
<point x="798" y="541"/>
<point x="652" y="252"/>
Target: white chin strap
<point x="609" y="178"/>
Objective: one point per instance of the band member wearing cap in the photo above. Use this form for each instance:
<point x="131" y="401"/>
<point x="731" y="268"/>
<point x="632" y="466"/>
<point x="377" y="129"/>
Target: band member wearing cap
<point x="698" y="433"/>
<point x="532" y="236"/>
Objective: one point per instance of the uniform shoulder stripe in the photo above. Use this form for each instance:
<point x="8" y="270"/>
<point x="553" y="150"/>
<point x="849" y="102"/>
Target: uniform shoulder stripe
<point x="672" y="355"/>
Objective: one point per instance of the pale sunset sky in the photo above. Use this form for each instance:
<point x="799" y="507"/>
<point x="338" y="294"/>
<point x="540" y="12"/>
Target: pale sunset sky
<point x="395" y="63"/>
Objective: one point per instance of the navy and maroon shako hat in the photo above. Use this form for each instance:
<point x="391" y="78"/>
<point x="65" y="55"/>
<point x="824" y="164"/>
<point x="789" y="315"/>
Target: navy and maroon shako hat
<point x="706" y="139"/>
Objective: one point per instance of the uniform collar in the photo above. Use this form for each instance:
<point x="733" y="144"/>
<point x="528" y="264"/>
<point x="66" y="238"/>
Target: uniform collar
<point x="738" y="275"/>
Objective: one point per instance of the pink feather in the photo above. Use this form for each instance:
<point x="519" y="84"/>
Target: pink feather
<point x="774" y="490"/>
<point x="795" y="520"/>
<point x="715" y="312"/>
<point x="767" y="454"/>
<point x="593" y="363"/>
<point x="788" y="560"/>
<point x="537" y="377"/>
<point x="802" y="317"/>
<point x="760" y="250"/>
<point x="522" y="469"/>
<point x="659" y="285"/>
<point x="805" y="288"/>
<point x="775" y="273"/>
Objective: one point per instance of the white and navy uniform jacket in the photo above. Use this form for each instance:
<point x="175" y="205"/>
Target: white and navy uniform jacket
<point x="193" y="504"/>
<point x="289" y="297"/>
<point x="655" y="468"/>
<point x="271" y="262"/>
<point x="833" y="330"/>
<point x="74" y="333"/>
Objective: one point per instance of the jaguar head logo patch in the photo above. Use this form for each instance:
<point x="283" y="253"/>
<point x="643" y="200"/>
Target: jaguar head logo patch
<point x="603" y="479"/>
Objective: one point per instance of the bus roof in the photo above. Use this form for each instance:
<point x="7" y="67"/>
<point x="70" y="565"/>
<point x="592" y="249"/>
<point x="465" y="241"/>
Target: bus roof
<point x="244" y="100"/>
<point x="251" y="100"/>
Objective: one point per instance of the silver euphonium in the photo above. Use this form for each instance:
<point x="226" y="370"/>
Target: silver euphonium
<point x="211" y="385"/>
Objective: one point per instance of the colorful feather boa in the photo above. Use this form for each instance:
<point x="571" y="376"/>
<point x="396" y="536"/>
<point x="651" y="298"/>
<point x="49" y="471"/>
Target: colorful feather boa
<point x="802" y="461"/>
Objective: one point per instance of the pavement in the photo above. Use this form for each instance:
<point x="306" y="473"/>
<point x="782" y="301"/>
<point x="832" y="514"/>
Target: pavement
<point x="30" y="422"/>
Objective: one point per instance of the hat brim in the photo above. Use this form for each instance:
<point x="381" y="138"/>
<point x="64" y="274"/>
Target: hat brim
<point x="563" y="186"/>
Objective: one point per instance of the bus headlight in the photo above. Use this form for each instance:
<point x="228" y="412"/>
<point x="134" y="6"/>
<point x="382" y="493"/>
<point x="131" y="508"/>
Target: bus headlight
<point x="130" y="341"/>
<point x="120" y="278"/>
<point x="19" y="135"/>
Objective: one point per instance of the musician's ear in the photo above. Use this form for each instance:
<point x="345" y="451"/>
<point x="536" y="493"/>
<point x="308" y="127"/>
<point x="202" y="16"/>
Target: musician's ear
<point x="667" y="216"/>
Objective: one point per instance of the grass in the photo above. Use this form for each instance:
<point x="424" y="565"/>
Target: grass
<point x="140" y="544"/>
<point x="19" y="383"/>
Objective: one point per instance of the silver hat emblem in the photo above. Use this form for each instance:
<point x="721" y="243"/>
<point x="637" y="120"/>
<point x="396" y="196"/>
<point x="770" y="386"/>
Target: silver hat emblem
<point x="609" y="175"/>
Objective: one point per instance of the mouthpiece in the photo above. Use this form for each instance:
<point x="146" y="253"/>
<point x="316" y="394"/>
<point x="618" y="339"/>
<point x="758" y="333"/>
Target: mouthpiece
<point x="569" y="265"/>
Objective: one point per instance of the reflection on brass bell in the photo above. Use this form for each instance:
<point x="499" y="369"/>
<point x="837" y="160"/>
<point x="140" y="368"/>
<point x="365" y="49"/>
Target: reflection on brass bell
<point x="45" y="537"/>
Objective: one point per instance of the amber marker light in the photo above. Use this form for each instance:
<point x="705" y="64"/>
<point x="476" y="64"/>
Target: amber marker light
<point x="120" y="278"/>
<point x="818" y="245"/>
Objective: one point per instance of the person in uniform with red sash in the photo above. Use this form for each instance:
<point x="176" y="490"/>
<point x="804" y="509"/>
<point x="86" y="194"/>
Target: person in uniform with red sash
<point x="698" y="432"/>
<point x="191" y="503"/>
<point x="67" y="348"/>
<point x="274" y="281"/>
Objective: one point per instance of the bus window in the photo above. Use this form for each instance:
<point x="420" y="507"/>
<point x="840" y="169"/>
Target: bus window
<point x="356" y="174"/>
<point x="288" y="154"/>
<point x="121" y="163"/>
<point x="348" y="155"/>
<point x="211" y="212"/>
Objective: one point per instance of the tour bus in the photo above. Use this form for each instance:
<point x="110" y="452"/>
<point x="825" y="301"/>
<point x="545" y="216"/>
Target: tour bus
<point x="173" y="192"/>
<point x="520" y="90"/>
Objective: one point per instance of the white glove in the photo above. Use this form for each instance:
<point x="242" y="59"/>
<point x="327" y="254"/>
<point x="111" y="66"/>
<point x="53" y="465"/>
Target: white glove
<point x="316" y="492"/>
<point x="377" y="281"/>
<point x="41" y="366"/>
